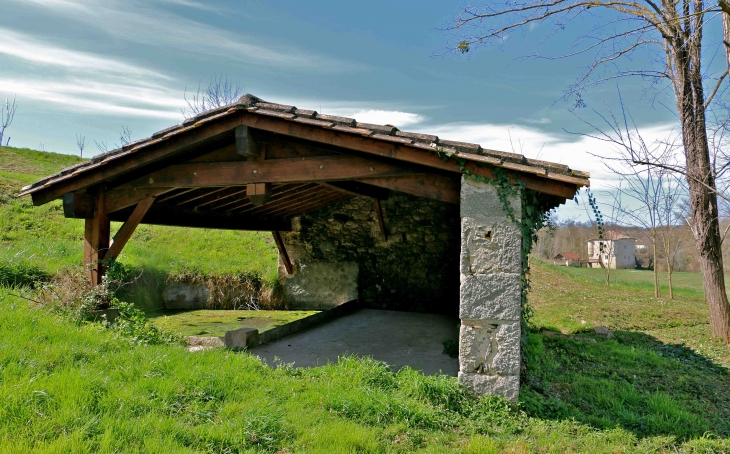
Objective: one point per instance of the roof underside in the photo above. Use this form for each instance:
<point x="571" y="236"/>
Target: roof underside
<point x="308" y="161"/>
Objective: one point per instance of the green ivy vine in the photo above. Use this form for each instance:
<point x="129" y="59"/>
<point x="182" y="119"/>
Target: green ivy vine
<point x="534" y="216"/>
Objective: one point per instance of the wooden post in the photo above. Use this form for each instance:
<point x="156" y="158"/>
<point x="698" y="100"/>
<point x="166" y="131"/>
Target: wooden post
<point x="282" y="251"/>
<point x="96" y="242"/>
<point x="381" y="222"/>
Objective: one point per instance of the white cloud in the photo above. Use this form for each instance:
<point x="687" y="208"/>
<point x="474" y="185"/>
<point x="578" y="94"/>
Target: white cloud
<point x="384" y="117"/>
<point x="539" y="121"/>
<point x="27" y="48"/>
<point x="136" y="21"/>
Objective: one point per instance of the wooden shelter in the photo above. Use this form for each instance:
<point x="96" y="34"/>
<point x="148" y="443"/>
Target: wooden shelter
<point x="255" y="165"/>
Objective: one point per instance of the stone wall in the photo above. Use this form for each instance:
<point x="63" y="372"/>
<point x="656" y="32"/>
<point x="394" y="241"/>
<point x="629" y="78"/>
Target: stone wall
<point x="490" y="293"/>
<point x="339" y="253"/>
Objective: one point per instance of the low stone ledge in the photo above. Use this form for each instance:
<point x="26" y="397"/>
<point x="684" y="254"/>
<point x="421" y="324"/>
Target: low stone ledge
<point x="242" y="338"/>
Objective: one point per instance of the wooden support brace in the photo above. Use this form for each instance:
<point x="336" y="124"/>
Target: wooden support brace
<point x="127" y="229"/>
<point x="77" y="205"/>
<point x="258" y="193"/>
<point x="381" y="222"/>
<point x="282" y="251"/>
<point x="96" y="242"/>
<point x="245" y="143"/>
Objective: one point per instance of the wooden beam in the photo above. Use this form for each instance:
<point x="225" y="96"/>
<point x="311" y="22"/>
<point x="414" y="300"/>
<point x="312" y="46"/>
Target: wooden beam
<point x="245" y="143"/>
<point x="200" y="195"/>
<point x="279" y="192"/>
<point x="258" y="193"/>
<point x="435" y="187"/>
<point x="393" y="150"/>
<point x="381" y="222"/>
<point x="179" y="217"/>
<point x="317" y="168"/>
<point x="230" y="192"/>
<point x="128" y="161"/>
<point x="118" y="199"/>
<point x="178" y="193"/>
<point x="358" y="188"/>
<point x="282" y="251"/>
<point x="96" y="242"/>
<point x="127" y="229"/>
<point x="305" y="203"/>
<point x="78" y="206"/>
<point x="290" y="197"/>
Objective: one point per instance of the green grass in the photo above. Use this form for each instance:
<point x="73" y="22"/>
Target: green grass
<point x="215" y="323"/>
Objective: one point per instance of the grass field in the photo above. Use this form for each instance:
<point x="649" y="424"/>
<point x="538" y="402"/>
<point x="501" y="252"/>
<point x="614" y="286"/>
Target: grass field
<point x="661" y="385"/>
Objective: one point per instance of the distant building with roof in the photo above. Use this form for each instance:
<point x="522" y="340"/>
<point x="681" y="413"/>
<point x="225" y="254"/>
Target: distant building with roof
<point x="614" y="251"/>
<point x="567" y="259"/>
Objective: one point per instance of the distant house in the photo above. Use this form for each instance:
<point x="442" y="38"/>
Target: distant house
<point x="567" y="259"/>
<point x="618" y="252"/>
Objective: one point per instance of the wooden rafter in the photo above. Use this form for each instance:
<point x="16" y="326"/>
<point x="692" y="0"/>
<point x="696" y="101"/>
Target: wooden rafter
<point x="282" y="250"/>
<point x="127" y="229"/>
<point x="381" y="221"/>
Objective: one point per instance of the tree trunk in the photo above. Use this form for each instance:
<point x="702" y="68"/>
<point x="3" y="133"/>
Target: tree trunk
<point x="703" y="202"/>
<point x="656" y="271"/>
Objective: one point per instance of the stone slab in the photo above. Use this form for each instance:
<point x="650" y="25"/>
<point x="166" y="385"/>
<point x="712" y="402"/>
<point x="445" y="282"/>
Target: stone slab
<point x="321" y="285"/>
<point x="490" y="297"/>
<point x="186" y="296"/>
<point x="242" y="338"/>
<point x="490" y="247"/>
<point x="507" y="386"/>
<point x="492" y="349"/>
<point x="481" y="201"/>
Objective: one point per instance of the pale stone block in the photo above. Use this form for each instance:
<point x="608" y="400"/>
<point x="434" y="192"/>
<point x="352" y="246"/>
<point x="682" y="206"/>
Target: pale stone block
<point x="507" y="386"/>
<point x="322" y="285"/>
<point x="492" y="349"/>
<point x="481" y="201"/>
<point x="242" y="338"/>
<point x="490" y="247"/>
<point x="186" y="296"/>
<point x="490" y="297"/>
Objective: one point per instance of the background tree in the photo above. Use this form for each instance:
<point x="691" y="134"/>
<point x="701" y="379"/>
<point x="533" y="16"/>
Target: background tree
<point x="81" y="144"/>
<point x="7" y="113"/>
<point x="219" y="92"/>
<point x="674" y="28"/>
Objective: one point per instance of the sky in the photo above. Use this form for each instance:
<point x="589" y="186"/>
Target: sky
<point x="92" y="67"/>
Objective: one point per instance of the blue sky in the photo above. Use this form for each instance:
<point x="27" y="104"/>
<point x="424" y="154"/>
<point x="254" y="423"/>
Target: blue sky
<point x="91" y="66"/>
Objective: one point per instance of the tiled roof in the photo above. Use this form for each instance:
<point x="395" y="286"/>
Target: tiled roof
<point x="250" y="103"/>
<point x="569" y="255"/>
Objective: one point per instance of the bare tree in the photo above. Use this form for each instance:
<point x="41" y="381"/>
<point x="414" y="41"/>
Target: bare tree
<point x="674" y="30"/>
<point x="125" y="136"/>
<point x="7" y="113"/>
<point x="101" y="146"/>
<point x="81" y="144"/>
<point x="219" y="92"/>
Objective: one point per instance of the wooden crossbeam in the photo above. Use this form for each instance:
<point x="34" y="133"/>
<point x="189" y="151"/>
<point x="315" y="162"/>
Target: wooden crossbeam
<point x="392" y="150"/>
<point x="302" y="204"/>
<point x="282" y="250"/>
<point x="358" y="188"/>
<point x="287" y="200"/>
<point x="435" y="187"/>
<point x="118" y="199"/>
<point x="127" y="229"/>
<point x="175" y="216"/>
<point x="221" y="196"/>
<point x="317" y="168"/>
<point x="279" y="193"/>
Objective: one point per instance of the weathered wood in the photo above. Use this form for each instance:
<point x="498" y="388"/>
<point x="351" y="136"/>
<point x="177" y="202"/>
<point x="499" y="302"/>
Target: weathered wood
<point x="127" y="229"/>
<point x="228" y="193"/>
<point x="393" y="150"/>
<point x="246" y="143"/>
<point x="291" y="197"/>
<point x="178" y="193"/>
<point x="161" y="214"/>
<point x="318" y="168"/>
<point x="130" y="160"/>
<point x="308" y="204"/>
<point x="258" y="193"/>
<point x="282" y="251"/>
<point x="278" y="192"/>
<point x="435" y="187"/>
<point x="118" y="199"/>
<point x="359" y="189"/>
<point x="96" y="242"/>
<point x="200" y="195"/>
<point x="78" y="206"/>
<point x="381" y="221"/>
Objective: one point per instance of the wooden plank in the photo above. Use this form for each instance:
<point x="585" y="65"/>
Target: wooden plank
<point x="381" y="221"/>
<point x="118" y="199"/>
<point x="117" y="166"/>
<point x="394" y="150"/>
<point x="288" y="199"/>
<point x="307" y="203"/>
<point x="175" y="216"/>
<point x="245" y="143"/>
<point x="258" y="193"/>
<point x="179" y="192"/>
<point x="358" y="188"/>
<point x="199" y="195"/>
<point x="96" y="242"/>
<point x="127" y="229"/>
<point x="278" y="193"/>
<point x="78" y="206"/>
<point x="282" y="251"/>
<point x="317" y="168"/>
<point x="434" y="187"/>
<point x="228" y="193"/>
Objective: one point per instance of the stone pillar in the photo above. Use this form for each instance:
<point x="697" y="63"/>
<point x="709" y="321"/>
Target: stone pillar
<point x="490" y="294"/>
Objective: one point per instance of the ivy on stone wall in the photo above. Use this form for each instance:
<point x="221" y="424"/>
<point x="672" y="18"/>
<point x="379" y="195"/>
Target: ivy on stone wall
<point x="535" y="215"/>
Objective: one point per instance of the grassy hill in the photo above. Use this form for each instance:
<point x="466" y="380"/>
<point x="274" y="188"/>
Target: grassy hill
<point x="660" y="385"/>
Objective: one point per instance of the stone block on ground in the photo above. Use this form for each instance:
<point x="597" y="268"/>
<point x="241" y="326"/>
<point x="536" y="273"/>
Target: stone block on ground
<point x="242" y="338"/>
<point x="321" y="285"/>
<point x="186" y="296"/>
<point x="507" y="386"/>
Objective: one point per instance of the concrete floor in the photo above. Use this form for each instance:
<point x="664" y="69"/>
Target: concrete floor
<point x="398" y="338"/>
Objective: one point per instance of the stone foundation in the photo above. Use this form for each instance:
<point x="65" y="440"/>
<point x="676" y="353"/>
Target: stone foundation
<point x="490" y="295"/>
